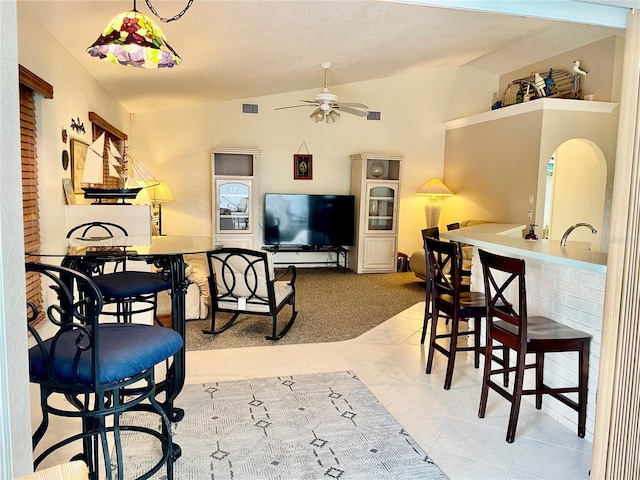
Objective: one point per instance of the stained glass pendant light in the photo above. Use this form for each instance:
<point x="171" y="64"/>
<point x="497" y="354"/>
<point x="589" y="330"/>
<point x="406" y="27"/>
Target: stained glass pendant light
<point x="131" y="38"/>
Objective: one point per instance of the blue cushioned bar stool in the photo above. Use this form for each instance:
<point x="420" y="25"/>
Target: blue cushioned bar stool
<point x="132" y="292"/>
<point x="102" y="370"/>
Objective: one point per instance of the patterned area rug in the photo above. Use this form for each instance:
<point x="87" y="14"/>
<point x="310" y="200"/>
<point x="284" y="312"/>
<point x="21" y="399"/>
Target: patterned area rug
<point x="317" y="426"/>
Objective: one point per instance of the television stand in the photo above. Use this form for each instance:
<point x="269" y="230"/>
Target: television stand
<point x="341" y="254"/>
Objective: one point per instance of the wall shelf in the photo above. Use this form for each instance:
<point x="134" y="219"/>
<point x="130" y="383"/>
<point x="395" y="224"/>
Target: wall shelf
<point x="567" y="105"/>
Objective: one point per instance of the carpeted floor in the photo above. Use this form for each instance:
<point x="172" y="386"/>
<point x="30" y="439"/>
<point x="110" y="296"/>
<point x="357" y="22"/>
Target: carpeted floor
<point x="326" y="425"/>
<point x="332" y="306"/>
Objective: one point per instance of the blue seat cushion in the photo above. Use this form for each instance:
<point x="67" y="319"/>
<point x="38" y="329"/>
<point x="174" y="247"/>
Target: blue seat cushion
<point x="126" y="349"/>
<point x="130" y="283"/>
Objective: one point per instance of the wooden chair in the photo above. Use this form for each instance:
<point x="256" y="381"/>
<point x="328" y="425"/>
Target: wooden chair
<point x="431" y="232"/>
<point x="449" y="301"/>
<point x="243" y="281"/>
<point x="510" y="327"/>
<point x="453" y="226"/>
<point x="466" y="274"/>
<point x="102" y="370"/>
<point x="465" y="281"/>
<point x="133" y="292"/>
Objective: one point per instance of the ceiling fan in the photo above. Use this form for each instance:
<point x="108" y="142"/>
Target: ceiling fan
<point x="327" y="105"/>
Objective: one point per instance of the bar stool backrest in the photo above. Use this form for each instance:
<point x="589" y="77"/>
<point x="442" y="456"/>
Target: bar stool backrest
<point x="502" y="275"/>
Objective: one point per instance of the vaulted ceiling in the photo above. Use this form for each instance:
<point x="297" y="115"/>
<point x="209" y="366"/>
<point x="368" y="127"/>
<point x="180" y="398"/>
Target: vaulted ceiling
<point x="244" y="49"/>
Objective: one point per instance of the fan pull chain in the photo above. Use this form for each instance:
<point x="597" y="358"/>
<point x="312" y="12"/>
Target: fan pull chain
<point x="172" y="19"/>
<point x="303" y="144"/>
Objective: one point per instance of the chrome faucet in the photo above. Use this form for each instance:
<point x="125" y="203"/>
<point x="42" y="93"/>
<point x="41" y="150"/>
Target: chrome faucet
<point x="563" y="242"/>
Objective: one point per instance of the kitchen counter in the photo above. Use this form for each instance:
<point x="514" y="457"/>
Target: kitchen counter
<point x="508" y="239"/>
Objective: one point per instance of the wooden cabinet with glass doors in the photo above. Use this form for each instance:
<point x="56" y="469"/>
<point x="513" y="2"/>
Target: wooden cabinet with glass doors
<point x="375" y="181"/>
<point x="235" y="199"/>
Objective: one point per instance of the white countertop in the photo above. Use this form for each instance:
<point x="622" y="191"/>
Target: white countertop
<point x="507" y="238"/>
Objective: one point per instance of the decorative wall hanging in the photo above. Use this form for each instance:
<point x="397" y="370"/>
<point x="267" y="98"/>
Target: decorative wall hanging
<point x="77" y="126"/>
<point x="65" y="159"/>
<point x="302" y="167"/>
<point x="302" y="164"/>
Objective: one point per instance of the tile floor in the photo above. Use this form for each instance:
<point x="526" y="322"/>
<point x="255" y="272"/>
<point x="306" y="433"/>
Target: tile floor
<point x="391" y="362"/>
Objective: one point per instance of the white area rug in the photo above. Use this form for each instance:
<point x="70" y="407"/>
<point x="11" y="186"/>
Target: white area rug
<point x="321" y="426"/>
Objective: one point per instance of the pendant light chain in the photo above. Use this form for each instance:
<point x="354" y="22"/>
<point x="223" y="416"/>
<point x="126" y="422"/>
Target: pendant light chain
<point x="172" y="19"/>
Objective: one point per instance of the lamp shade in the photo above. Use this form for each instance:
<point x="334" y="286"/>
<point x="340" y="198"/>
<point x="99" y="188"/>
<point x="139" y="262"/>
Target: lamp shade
<point x="133" y="39"/>
<point x="160" y="193"/>
<point x="317" y="115"/>
<point x="435" y="188"/>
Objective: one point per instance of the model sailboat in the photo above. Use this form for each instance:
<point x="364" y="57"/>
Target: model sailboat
<point x="93" y="172"/>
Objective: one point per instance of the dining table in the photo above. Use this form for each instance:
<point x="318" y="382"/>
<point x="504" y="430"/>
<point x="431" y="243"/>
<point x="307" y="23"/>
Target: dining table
<point x="166" y="253"/>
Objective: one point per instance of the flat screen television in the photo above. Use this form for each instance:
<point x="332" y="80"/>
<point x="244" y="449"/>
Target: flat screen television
<point x="309" y="220"/>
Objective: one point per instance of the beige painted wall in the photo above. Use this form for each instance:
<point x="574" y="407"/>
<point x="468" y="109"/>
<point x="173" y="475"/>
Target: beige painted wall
<point x="602" y="60"/>
<point x="493" y="167"/>
<point x="489" y="168"/>
<point x="579" y="182"/>
<point x="414" y="106"/>
<point x="599" y="128"/>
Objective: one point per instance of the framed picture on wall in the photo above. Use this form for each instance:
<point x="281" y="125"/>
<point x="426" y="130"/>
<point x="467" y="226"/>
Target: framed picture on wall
<point x="69" y="197"/>
<point x="78" y="155"/>
<point x="302" y="166"/>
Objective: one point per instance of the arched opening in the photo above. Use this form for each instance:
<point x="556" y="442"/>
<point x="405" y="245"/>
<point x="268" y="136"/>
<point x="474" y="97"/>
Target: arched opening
<point x="575" y="191"/>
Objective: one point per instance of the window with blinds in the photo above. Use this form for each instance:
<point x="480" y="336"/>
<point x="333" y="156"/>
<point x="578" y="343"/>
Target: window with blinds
<point x="30" y="210"/>
<point x="30" y="84"/>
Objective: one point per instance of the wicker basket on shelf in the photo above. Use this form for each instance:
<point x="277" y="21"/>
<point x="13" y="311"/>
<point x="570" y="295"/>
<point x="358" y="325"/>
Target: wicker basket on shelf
<point x="563" y="87"/>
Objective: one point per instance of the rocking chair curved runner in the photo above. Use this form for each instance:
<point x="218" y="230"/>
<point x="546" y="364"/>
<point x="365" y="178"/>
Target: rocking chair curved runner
<point x="243" y="281"/>
<point x="102" y="370"/>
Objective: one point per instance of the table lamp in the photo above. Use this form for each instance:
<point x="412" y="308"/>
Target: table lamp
<point x="158" y="195"/>
<point x="434" y="190"/>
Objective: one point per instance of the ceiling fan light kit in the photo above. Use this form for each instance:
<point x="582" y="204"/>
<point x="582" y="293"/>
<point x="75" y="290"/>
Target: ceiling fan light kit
<point x="133" y="39"/>
<point x="327" y="104"/>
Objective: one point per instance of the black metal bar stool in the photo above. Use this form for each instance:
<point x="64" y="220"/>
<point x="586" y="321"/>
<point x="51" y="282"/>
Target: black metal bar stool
<point x="132" y="292"/>
<point x="102" y="370"/>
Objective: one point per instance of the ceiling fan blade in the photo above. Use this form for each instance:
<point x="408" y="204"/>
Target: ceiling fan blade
<point x="294" y="106"/>
<point x="357" y="105"/>
<point x="353" y="111"/>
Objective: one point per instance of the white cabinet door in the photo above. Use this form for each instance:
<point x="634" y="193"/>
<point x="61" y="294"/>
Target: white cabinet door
<point x="379" y="254"/>
<point x="233" y="206"/>
<point x="381" y="210"/>
<point x="238" y="241"/>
